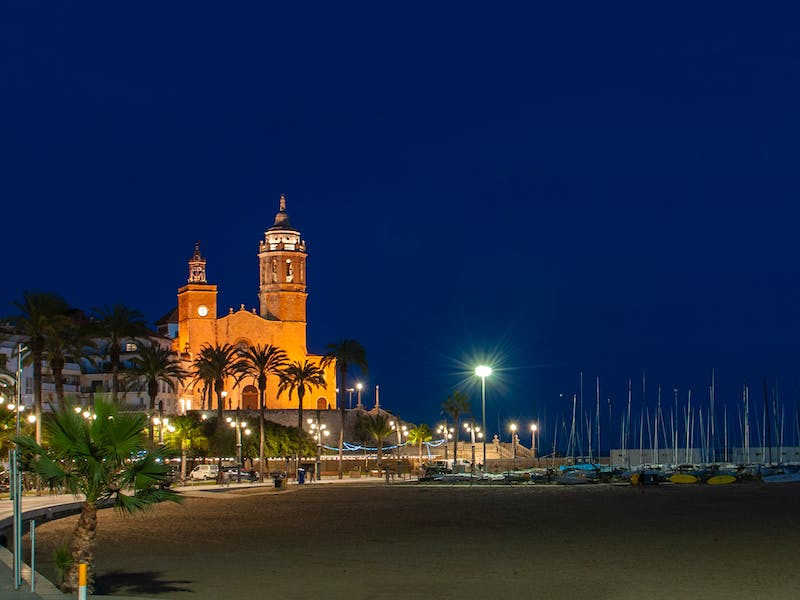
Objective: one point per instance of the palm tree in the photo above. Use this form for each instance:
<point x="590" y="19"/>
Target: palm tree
<point x="301" y="378"/>
<point x="115" y="325"/>
<point x="345" y="354"/>
<point x="456" y="405"/>
<point x="92" y="458"/>
<point x="420" y="435"/>
<point x="42" y="315"/>
<point x="258" y="362"/>
<point x="379" y="428"/>
<point x="215" y="364"/>
<point x="72" y="338"/>
<point x="154" y="365"/>
<point x="188" y="434"/>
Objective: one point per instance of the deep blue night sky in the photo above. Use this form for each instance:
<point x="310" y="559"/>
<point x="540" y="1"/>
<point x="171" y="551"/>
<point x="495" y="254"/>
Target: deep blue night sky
<point x="580" y="187"/>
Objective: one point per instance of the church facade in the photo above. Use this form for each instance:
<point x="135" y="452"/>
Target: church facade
<point x="279" y="321"/>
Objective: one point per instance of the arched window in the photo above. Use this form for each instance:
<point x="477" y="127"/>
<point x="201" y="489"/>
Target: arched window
<point x="322" y="403"/>
<point x="289" y="271"/>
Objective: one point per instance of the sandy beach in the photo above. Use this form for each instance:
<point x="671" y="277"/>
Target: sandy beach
<point x="372" y="540"/>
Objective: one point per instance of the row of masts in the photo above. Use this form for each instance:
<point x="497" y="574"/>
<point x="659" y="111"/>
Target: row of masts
<point x="682" y="428"/>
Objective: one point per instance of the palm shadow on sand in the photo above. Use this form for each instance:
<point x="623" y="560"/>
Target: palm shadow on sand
<point x="141" y="582"/>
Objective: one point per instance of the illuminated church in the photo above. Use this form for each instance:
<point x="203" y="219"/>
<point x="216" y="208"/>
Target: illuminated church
<point x="280" y="321"/>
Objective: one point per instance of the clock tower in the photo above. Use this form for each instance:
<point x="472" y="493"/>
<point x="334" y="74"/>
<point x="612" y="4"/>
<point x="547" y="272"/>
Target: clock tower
<point x="282" y="267"/>
<point x="197" y="307"/>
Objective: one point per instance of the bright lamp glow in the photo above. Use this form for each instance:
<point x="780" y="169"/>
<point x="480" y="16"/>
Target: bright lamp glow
<point x="483" y="371"/>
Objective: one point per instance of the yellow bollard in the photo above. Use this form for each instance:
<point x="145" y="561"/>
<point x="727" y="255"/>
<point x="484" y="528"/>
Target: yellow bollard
<point x="82" y="581"/>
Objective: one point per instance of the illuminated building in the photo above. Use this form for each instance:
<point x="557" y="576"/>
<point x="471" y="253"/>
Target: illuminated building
<point x="280" y="320"/>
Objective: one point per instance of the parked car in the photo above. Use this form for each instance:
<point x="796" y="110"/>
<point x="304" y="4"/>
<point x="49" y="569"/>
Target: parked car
<point x="237" y="474"/>
<point x="204" y="472"/>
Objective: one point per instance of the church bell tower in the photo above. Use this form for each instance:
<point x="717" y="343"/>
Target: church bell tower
<point x="282" y="267"/>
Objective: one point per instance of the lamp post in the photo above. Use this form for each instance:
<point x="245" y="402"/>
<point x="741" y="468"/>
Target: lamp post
<point x="483" y="372"/>
<point x="534" y="427"/>
<point x="447" y="434"/>
<point x="472" y="432"/>
<point x="401" y="430"/>
<point x="238" y="425"/>
<point x="350" y="397"/>
<point x="317" y="431"/>
<point x="359" y="387"/>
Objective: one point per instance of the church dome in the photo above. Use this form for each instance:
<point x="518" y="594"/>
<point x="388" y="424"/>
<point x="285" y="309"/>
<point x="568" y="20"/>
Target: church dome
<point x="282" y="218"/>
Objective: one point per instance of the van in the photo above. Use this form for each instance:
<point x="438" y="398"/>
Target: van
<point x="203" y="472"/>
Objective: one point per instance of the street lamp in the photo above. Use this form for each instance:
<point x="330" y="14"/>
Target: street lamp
<point x="534" y="427"/>
<point x="359" y="387"/>
<point x="446" y="434"/>
<point x="317" y="431"/>
<point x="350" y="397"/>
<point x="238" y="425"/>
<point x="473" y="431"/>
<point x="483" y="372"/>
<point x="401" y="430"/>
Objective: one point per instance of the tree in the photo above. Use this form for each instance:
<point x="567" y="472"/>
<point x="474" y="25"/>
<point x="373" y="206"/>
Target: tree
<point x="301" y="378"/>
<point x="154" y="365"/>
<point x="188" y="434"/>
<point x="215" y="364"/>
<point x="456" y="405"/>
<point x="41" y="317"/>
<point x="115" y="325"/>
<point x="72" y="338"/>
<point x="105" y="461"/>
<point x="420" y="435"/>
<point x="259" y="362"/>
<point x="345" y="354"/>
<point x="379" y="428"/>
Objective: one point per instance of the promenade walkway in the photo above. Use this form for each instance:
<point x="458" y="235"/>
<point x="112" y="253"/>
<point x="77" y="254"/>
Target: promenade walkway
<point x="48" y="507"/>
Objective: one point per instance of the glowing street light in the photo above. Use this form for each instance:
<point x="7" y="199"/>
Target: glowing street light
<point x="238" y="425"/>
<point x="359" y="387"/>
<point x="317" y="431"/>
<point x="483" y="372"/>
<point x="534" y="427"/>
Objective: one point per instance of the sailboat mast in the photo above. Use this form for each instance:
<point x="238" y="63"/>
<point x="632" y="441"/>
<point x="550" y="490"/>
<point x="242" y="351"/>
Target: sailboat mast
<point x="746" y="393"/>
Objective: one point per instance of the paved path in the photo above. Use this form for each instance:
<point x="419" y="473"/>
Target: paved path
<point x="49" y="507"/>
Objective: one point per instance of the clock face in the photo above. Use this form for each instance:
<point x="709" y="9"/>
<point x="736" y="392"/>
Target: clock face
<point x="202" y="310"/>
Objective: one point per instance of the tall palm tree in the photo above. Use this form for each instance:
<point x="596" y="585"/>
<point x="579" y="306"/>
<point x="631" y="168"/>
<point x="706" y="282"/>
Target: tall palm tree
<point x="301" y="377"/>
<point x="115" y="325"/>
<point x="379" y="428"/>
<point x="420" y="435"/>
<point x="259" y="362"/>
<point x="215" y="364"/>
<point x="154" y="365"/>
<point x="345" y="354"/>
<point x="92" y="458"/>
<point x="457" y="404"/>
<point x="41" y="316"/>
<point x="72" y="338"/>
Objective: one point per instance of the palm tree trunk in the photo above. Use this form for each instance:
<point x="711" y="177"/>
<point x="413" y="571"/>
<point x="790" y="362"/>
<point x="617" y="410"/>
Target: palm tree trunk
<point x="341" y="444"/>
<point x="37" y="393"/>
<point x="343" y="390"/>
<point x="261" y="433"/>
<point x="300" y="394"/>
<point x="114" y="376"/>
<point x="455" y="441"/>
<point x="82" y="550"/>
<point x="58" y="378"/>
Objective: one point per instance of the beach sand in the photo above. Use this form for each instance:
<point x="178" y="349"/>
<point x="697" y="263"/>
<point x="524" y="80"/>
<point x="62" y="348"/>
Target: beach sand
<point x="371" y="540"/>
